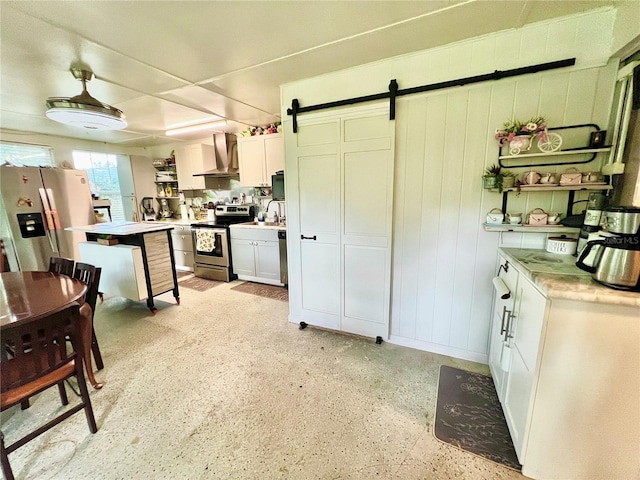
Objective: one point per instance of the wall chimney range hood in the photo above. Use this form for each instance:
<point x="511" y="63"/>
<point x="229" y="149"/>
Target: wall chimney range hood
<point x="225" y="147"/>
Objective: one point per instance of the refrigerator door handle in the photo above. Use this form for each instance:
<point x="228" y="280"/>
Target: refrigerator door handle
<point x="54" y="210"/>
<point x="47" y="209"/>
<point x="49" y="215"/>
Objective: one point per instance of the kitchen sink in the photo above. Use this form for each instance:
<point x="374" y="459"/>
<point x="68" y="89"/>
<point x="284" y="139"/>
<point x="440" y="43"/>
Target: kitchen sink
<point x="263" y="224"/>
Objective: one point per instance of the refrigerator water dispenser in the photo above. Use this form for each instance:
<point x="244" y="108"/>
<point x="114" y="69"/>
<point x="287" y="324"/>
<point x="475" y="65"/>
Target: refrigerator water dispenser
<point x="31" y="225"/>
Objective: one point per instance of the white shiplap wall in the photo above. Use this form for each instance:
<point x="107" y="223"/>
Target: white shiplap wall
<point x="443" y="260"/>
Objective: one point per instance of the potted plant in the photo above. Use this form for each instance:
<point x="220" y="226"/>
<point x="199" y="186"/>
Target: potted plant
<point x="514" y="128"/>
<point x="491" y="175"/>
<point x="508" y="181"/>
<point x="494" y="177"/>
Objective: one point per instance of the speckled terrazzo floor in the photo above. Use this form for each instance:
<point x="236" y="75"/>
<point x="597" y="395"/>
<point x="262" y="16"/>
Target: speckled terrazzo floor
<point x="224" y="387"/>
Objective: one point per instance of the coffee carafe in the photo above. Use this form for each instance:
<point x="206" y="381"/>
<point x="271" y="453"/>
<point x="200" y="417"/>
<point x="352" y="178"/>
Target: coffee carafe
<point x="617" y="261"/>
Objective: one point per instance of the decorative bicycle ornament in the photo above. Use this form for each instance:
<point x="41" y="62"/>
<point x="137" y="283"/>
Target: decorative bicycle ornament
<point x="547" y="142"/>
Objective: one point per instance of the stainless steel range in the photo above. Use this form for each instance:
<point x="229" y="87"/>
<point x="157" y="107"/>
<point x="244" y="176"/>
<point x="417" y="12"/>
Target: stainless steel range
<point x="212" y="245"/>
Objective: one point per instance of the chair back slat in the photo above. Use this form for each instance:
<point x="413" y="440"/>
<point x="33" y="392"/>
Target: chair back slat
<point x="90" y="275"/>
<point x="38" y="347"/>
<point x="61" y="265"/>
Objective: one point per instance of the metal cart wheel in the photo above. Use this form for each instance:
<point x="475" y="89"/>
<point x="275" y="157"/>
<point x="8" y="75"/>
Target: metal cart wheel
<point x="552" y="143"/>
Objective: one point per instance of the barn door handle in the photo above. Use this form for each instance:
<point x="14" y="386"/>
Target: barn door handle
<point x="302" y="237"/>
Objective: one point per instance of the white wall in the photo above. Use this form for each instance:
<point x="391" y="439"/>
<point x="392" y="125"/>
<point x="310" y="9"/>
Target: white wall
<point x="626" y="36"/>
<point x="443" y="260"/>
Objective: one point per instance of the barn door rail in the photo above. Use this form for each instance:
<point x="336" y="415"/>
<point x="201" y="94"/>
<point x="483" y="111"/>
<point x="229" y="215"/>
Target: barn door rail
<point x="393" y="92"/>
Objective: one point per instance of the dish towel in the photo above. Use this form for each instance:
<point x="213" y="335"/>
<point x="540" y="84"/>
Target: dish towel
<point x="205" y="240"/>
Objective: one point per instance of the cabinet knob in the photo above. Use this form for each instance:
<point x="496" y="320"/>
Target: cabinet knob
<point x="302" y="237"/>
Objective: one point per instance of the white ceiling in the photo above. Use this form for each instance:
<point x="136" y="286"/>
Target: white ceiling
<point x="165" y="63"/>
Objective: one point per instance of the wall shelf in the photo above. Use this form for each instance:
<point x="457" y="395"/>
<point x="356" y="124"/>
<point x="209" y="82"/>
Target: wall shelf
<point x="563" y="154"/>
<point x="572" y="151"/>
<point x="556" y="188"/>
<point x="507" y="227"/>
<point x="552" y="188"/>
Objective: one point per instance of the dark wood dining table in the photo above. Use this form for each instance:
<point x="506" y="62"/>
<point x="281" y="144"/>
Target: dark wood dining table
<point x="27" y="296"/>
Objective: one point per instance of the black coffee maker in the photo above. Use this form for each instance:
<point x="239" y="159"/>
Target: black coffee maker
<point x="617" y="260"/>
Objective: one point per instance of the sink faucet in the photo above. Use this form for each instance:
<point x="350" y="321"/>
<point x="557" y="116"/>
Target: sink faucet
<point x="279" y="211"/>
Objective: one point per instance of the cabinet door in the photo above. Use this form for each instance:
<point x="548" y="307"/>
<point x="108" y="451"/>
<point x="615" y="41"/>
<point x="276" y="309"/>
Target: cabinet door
<point x="243" y="257"/>
<point x="499" y="350"/>
<point x="524" y="337"/>
<point x="274" y="155"/>
<point x="252" y="161"/>
<point x="184" y="260"/>
<point x="182" y="241"/>
<point x="190" y="160"/>
<point x="267" y="255"/>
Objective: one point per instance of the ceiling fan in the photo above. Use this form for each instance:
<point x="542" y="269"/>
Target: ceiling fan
<point x="84" y="110"/>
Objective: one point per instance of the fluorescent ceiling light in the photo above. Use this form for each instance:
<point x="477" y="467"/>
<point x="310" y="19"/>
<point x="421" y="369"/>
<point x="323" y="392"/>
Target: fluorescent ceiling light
<point x="197" y="128"/>
<point x="83" y="110"/>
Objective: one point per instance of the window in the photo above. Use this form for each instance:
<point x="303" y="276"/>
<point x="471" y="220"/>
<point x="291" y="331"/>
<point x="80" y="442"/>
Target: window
<point x="24" y="155"/>
<point x="102" y="170"/>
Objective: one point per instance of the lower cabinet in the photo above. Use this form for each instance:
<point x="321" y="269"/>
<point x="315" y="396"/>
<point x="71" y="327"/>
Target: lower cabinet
<point x="567" y="373"/>
<point x="255" y="255"/>
<point x="183" y="247"/>
<point x="515" y="338"/>
<point x="523" y="335"/>
<point x="499" y="350"/>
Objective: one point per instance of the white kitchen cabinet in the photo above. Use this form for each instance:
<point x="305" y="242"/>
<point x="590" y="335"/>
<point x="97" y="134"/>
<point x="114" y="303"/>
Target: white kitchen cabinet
<point x="260" y="156"/>
<point x="565" y="358"/>
<point x="255" y="254"/>
<point x="499" y="350"/>
<point x="183" y="247"/>
<point x="515" y="338"/>
<point x="193" y="159"/>
<point x="523" y="333"/>
<point x="339" y="245"/>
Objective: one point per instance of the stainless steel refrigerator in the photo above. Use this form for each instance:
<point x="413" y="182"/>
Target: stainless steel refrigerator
<point x="36" y="205"/>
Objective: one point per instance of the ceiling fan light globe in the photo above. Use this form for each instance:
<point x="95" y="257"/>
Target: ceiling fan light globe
<point x="86" y="118"/>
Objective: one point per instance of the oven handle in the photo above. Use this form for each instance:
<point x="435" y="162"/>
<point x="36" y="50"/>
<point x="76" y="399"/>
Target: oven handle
<point x="214" y="230"/>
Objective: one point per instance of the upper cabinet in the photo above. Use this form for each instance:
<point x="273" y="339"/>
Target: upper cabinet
<point x="193" y="159"/>
<point x="260" y="156"/>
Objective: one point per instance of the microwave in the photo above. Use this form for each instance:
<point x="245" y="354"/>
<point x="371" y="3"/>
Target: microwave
<point x="277" y="186"/>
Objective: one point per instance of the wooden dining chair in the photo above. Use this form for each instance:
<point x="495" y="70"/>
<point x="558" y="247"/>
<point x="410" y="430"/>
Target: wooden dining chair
<point x="90" y="275"/>
<point x="45" y="363"/>
<point x="61" y="265"/>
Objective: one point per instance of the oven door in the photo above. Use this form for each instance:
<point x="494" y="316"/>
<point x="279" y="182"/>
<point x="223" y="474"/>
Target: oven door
<point x="210" y="246"/>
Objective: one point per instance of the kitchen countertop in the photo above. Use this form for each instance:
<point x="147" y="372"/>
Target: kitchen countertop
<point x="557" y="276"/>
<point x="261" y="227"/>
<point x="179" y="221"/>
<point x="123" y="228"/>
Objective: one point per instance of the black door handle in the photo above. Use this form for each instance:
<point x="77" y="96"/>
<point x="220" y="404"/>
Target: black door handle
<point x="302" y="237"/>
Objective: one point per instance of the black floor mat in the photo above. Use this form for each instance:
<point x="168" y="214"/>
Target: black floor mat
<point x="469" y="416"/>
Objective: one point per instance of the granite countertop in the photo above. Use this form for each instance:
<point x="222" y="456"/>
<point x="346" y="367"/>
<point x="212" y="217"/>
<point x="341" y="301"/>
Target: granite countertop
<point x="557" y="276"/>
<point x="122" y="228"/>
